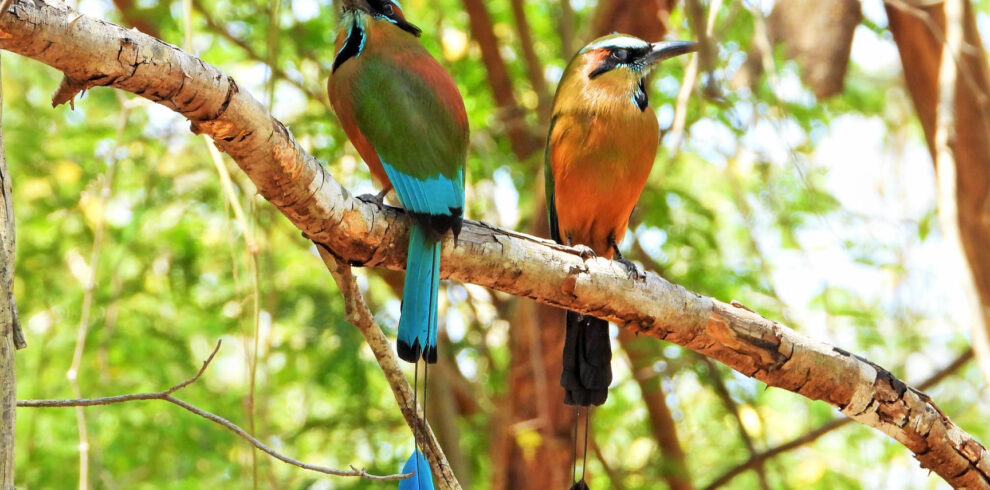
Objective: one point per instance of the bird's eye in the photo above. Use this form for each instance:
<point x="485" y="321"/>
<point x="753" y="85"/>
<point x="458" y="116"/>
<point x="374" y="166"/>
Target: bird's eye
<point x="388" y="10"/>
<point x="621" y="55"/>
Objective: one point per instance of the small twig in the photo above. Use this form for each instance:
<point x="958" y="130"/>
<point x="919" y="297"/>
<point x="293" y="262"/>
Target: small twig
<point x="166" y="395"/>
<point x="359" y="315"/>
<point x="4" y="5"/>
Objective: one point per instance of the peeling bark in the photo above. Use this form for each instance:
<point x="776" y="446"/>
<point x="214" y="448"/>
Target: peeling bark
<point x="99" y="53"/>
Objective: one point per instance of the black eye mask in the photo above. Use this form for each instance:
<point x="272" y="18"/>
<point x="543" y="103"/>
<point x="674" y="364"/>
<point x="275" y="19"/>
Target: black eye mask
<point x="386" y="9"/>
<point x="620" y="57"/>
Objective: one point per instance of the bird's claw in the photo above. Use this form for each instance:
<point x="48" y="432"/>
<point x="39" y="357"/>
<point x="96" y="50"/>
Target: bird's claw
<point x="584" y="251"/>
<point x="370" y="199"/>
<point x="631" y="269"/>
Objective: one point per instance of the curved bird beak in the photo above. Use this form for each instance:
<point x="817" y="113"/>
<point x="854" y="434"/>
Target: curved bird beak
<point x="668" y="49"/>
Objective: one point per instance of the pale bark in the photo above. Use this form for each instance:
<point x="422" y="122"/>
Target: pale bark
<point x="10" y="337"/>
<point x="93" y="52"/>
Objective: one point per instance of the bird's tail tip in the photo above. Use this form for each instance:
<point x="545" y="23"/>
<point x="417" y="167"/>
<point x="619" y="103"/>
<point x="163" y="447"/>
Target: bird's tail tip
<point x="422" y="478"/>
<point x="587" y="369"/>
<point x="413" y="353"/>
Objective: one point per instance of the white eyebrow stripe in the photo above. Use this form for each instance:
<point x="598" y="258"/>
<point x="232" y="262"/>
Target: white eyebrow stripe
<point x="628" y="42"/>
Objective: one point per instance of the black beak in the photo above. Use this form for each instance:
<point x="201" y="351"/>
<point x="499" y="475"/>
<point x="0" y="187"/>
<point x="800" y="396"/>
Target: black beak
<point x="411" y="29"/>
<point x="668" y="49"/>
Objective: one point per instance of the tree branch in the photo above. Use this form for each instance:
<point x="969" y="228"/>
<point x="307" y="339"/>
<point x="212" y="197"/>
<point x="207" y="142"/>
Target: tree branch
<point x="359" y="315"/>
<point x="166" y="395"/>
<point x="93" y="52"/>
<point x="758" y="460"/>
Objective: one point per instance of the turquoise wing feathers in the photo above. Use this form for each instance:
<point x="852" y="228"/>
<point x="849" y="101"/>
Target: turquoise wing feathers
<point x="418" y="137"/>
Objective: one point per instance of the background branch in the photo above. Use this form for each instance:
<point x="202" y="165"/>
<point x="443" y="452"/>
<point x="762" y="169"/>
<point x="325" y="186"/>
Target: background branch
<point x="11" y="337"/>
<point x="166" y="395"/>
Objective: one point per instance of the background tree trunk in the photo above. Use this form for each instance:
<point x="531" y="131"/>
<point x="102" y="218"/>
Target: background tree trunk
<point x="920" y="33"/>
<point x="10" y="336"/>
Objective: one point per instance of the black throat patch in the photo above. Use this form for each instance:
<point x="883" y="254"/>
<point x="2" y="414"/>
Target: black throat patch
<point x="352" y="46"/>
<point x="640" y="98"/>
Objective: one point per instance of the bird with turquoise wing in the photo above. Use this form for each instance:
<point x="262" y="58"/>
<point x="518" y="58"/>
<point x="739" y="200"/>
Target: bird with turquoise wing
<point x="405" y="116"/>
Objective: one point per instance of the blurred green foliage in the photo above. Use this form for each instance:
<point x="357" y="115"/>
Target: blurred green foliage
<point x="742" y="205"/>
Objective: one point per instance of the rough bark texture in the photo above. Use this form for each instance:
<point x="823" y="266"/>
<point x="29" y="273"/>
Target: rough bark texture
<point x="93" y="52"/>
<point x="9" y="324"/>
<point x="919" y="34"/>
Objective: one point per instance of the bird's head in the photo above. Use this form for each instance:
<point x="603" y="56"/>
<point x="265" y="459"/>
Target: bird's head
<point x="388" y="10"/>
<point x="617" y="65"/>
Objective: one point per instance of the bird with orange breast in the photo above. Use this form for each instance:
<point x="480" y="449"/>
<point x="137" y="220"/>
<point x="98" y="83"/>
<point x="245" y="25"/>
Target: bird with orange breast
<point x="602" y="142"/>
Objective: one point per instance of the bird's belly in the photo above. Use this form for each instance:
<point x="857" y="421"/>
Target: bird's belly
<point x="600" y="184"/>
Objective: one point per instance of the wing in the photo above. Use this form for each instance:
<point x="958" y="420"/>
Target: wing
<point x="549" y="185"/>
<point x="413" y="115"/>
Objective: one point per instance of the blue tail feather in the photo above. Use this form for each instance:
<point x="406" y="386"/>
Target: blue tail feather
<point x="423" y="478"/>
<point x="418" y="320"/>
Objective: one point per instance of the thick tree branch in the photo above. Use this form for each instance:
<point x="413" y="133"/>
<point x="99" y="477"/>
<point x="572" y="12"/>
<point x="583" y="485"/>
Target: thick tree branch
<point x="93" y="52"/>
<point x="758" y="460"/>
<point x="166" y="395"/>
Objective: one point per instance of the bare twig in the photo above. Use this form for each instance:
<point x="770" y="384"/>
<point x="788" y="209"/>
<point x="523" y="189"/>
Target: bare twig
<point x="359" y="315"/>
<point x="4" y="5"/>
<point x="166" y="395"/>
<point x="757" y="460"/>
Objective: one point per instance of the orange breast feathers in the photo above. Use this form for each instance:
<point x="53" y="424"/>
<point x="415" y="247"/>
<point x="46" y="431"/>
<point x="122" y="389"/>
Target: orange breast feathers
<point x="600" y="164"/>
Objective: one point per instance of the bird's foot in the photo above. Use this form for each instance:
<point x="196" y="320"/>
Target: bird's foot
<point x="633" y="271"/>
<point x="584" y="251"/>
<point x="374" y="198"/>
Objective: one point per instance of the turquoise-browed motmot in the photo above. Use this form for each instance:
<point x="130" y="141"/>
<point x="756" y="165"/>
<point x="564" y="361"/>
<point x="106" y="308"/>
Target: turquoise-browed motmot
<point x="602" y="143"/>
<point x="404" y="115"/>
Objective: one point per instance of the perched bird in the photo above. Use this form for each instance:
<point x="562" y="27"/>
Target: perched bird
<point x="602" y="143"/>
<point x="404" y="114"/>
